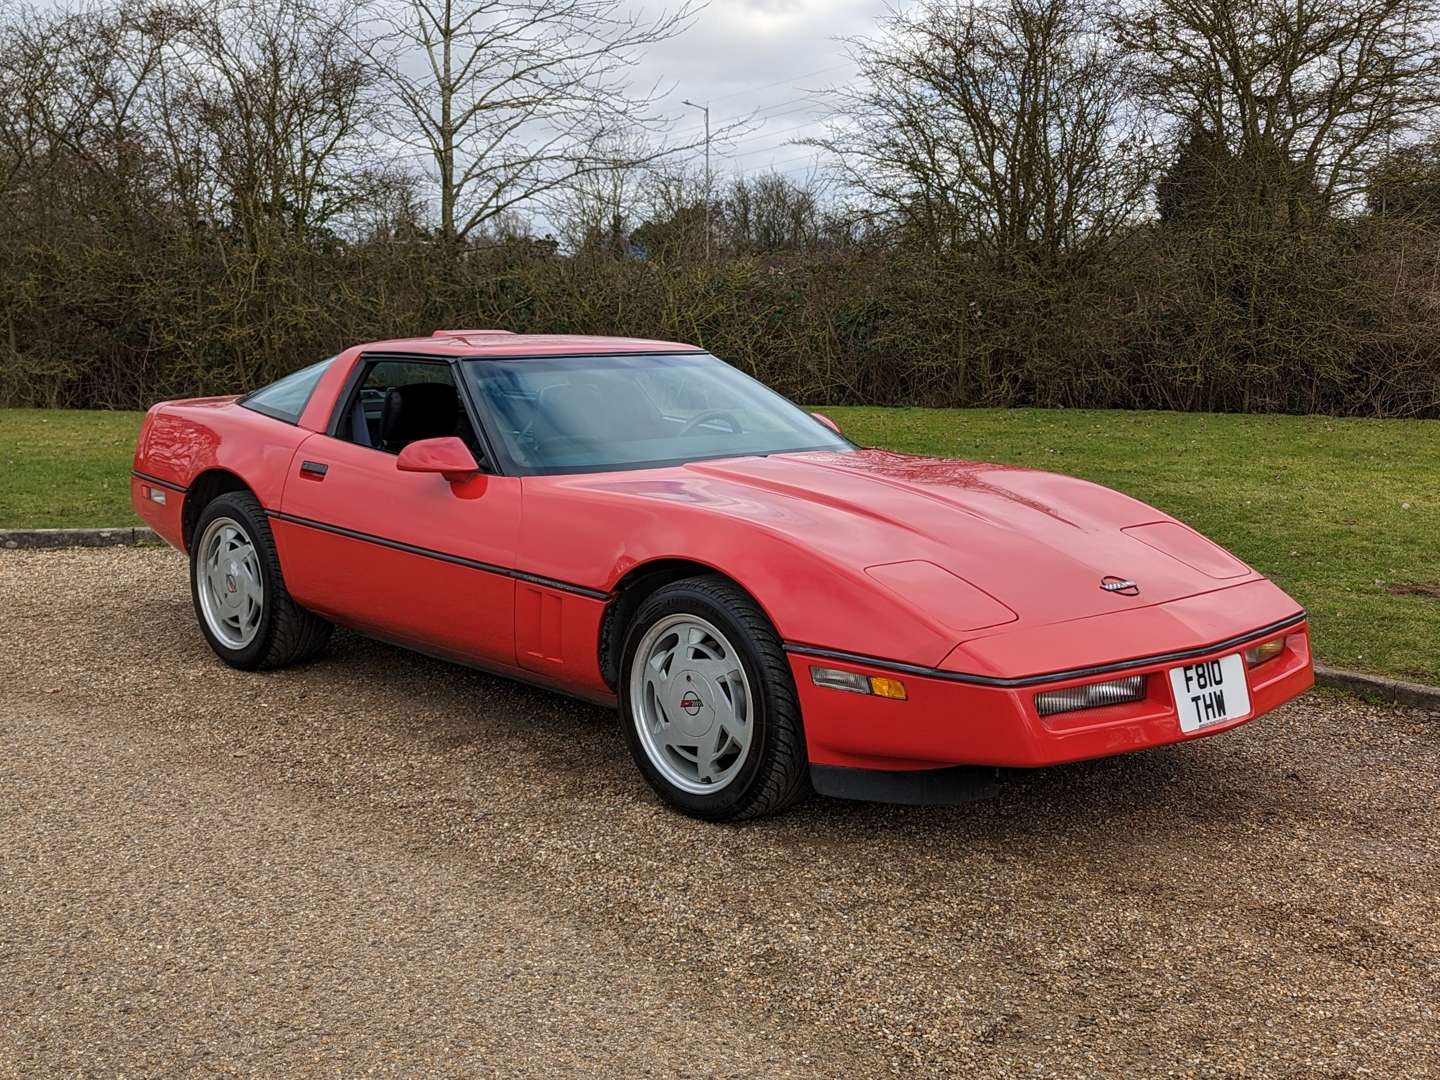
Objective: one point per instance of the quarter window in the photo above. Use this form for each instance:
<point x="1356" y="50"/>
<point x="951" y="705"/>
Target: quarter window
<point x="285" y="399"/>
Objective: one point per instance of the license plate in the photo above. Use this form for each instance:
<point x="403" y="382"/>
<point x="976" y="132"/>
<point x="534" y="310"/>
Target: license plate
<point x="1210" y="693"/>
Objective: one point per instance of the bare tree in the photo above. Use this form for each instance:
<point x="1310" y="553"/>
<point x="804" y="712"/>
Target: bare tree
<point x="30" y="66"/>
<point x="269" y="101"/>
<point x="769" y="213"/>
<point x="1295" y="95"/>
<point x="510" y="100"/>
<point x="1000" y="124"/>
<point x="599" y="208"/>
<point x="673" y="221"/>
<point x="75" y="81"/>
<point x="1406" y="183"/>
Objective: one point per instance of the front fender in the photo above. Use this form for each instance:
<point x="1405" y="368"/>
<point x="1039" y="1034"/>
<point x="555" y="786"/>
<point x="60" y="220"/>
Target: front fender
<point x="580" y="530"/>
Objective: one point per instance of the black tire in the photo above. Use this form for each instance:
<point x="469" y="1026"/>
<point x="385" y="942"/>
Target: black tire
<point x="287" y="633"/>
<point x="775" y="773"/>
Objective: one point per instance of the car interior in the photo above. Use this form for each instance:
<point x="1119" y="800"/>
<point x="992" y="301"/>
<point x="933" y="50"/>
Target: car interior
<point x="578" y="410"/>
<point x="552" y="415"/>
<point x="399" y="403"/>
<point x="572" y="415"/>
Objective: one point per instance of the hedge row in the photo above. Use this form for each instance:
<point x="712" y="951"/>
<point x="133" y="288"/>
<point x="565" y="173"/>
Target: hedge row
<point x="1343" y="319"/>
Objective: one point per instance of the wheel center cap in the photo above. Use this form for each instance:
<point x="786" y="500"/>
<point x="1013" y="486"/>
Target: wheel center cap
<point x="693" y="714"/>
<point x="230" y="583"/>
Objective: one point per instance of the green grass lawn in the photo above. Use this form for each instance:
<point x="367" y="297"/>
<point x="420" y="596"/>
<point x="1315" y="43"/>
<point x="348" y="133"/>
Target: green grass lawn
<point x="1344" y="514"/>
<point x="66" y="468"/>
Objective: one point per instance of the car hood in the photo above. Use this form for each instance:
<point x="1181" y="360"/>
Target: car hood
<point x="1040" y="543"/>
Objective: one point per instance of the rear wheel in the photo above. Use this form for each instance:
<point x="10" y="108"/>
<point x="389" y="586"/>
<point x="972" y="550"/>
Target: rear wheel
<point x="708" y="704"/>
<point x="244" y="610"/>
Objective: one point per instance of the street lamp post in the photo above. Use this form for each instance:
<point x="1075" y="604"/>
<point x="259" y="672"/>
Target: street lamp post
<point x="706" y="110"/>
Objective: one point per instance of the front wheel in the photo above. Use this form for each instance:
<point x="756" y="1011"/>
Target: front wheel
<point x="240" y="599"/>
<point x="708" y="704"/>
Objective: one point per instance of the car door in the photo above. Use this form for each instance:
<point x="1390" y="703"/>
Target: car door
<point x="411" y="557"/>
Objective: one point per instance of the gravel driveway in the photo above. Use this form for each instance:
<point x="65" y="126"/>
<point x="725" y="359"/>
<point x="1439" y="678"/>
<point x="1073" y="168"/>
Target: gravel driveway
<point x="381" y="864"/>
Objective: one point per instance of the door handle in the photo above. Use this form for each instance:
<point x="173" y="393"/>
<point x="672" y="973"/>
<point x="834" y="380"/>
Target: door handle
<point x="314" y="470"/>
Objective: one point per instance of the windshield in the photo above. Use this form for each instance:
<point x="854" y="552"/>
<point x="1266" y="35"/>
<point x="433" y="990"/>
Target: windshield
<point x="592" y="413"/>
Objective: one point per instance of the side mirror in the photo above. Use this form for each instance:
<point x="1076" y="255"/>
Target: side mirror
<point x="447" y="456"/>
<point x="827" y="422"/>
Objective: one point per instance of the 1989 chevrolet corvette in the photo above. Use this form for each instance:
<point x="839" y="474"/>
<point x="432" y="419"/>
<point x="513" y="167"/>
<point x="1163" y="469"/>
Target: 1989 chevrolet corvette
<point x="771" y="607"/>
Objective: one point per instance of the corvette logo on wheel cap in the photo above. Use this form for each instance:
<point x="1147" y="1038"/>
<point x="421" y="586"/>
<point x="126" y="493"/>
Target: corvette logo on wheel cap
<point x="691" y="702"/>
<point x="1123" y="586"/>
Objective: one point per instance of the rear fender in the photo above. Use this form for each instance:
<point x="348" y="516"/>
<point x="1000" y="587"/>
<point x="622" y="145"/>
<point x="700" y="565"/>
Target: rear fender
<point x="182" y="440"/>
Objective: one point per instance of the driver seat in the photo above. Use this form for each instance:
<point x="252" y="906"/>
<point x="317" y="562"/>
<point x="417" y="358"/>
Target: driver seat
<point x="574" y="410"/>
<point x="418" y="411"/>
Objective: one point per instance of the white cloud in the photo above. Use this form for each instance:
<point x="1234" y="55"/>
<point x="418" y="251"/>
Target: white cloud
<point x="771" y="58"/>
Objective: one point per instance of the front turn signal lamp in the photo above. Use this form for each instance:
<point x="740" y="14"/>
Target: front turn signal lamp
<point x="1268" y="650"/>
<point x="853" y="682"/>
<point x="1091" y="696"/>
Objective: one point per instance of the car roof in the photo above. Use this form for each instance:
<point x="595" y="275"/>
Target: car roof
<point x="504" y="344"/>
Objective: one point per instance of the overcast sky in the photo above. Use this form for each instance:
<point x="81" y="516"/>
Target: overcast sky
<point x="769" y="57"/>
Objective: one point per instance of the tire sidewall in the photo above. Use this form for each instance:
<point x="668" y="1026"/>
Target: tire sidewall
<point x="231" y="506"/>
<point x="731" y="800"/>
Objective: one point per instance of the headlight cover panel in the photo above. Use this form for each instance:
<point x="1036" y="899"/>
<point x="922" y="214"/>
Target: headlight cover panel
<point x="1185" y="545"/>
<point x="947" y="598"/>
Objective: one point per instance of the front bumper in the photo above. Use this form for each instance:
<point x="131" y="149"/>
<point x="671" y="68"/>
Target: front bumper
<point x="945" y="722"/>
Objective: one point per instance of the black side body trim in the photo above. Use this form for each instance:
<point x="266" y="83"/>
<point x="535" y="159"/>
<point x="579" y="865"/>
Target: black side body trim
<point x="444" y="556"/>
<point x="921" y="787"/>
<point x="158" y="482"/>
<point x="1049" y="676"/>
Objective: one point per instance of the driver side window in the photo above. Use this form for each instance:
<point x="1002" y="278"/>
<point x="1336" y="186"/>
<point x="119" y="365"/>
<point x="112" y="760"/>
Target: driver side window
<point x="398" y="402"/>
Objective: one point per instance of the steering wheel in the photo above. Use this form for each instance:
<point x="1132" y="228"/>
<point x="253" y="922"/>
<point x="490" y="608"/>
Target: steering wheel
<point x="708" y="415"/>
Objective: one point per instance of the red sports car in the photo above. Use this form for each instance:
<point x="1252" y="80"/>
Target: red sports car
<point x="772" y="608"/>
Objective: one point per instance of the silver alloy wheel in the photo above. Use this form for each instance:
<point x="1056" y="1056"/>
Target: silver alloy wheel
<point x="691" y="703"/>
<point x="228" y="582"/>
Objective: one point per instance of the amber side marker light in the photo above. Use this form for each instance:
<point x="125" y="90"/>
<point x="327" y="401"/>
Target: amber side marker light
<point x="854" y="683"/>
<point x="1266" y="651"/>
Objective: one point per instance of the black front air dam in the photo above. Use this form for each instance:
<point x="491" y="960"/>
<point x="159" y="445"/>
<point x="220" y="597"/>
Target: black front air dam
<point x="921" y="787"/>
